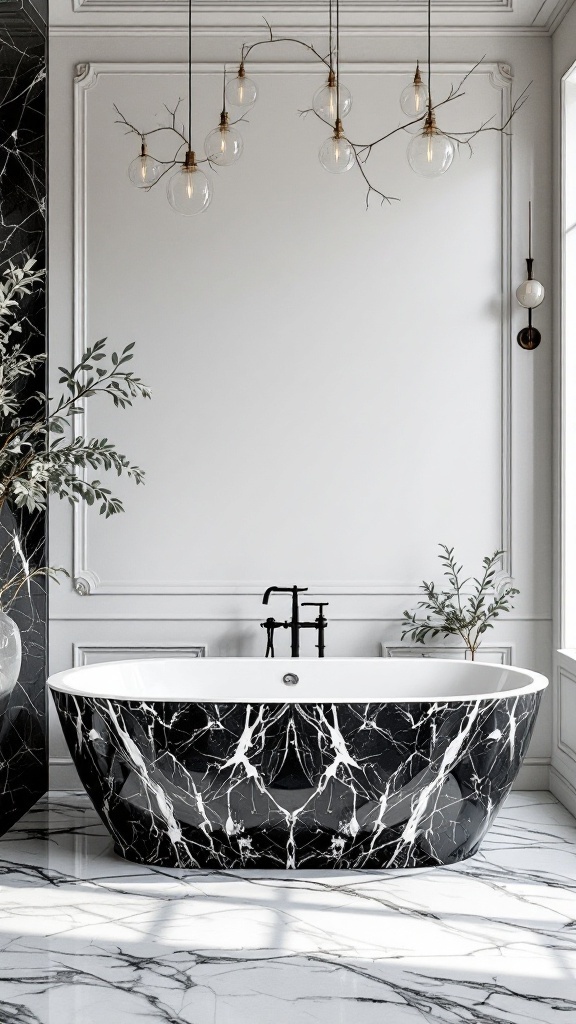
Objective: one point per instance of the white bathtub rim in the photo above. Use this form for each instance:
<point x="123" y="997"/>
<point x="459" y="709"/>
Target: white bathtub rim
<point x="76" y="681"/>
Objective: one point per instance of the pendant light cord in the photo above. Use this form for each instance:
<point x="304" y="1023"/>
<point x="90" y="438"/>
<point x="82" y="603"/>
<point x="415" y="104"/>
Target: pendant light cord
<point x="331" y="35"/>
<point x="429" y="56"/>
<point x="189" y="74"/>
<point x="338" y="61"/>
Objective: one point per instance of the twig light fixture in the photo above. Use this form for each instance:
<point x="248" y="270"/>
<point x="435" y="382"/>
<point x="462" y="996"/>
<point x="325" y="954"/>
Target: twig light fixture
<point x="430" y="152"/>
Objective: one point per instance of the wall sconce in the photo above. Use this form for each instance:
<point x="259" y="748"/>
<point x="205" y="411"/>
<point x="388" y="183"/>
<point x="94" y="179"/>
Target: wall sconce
<point x="530" y="294"/>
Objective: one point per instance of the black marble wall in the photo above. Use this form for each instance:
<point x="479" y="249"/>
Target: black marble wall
<point x="23" y="726"/>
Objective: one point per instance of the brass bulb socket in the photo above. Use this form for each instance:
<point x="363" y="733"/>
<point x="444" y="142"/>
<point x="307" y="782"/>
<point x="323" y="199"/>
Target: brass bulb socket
<point x="430" y="122"/>
<point x="241" y="71"/>
<point x="190" y="161"/>
<point x="224" y="119"/>
<point x="331" y="78"/>
<point x="143" y="149"/>
<point x="418" y="76"/>
<point x="338" y="130"/>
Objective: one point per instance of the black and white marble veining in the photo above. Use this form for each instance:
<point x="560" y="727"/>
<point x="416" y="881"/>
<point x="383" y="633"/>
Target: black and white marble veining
<point x="87" y="938"/>
<point x="393" y="785"/>
<point x="23" y="724"/>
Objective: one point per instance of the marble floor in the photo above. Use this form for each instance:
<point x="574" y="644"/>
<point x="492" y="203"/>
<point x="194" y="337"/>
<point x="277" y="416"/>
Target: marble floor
<point x="86" y="938"/>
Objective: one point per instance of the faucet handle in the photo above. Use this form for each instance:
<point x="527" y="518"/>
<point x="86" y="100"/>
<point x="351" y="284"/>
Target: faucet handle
<point x="320" y="605"/>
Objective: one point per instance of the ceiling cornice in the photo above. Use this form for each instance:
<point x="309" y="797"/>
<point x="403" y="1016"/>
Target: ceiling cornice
<point x="466" y="16"/>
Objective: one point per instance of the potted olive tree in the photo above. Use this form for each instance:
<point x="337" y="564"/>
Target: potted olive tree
<point x="39" y="453"/>
<point x="465" y="607"/>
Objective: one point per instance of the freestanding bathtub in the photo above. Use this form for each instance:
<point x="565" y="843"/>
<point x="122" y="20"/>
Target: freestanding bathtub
<point x="359" y="763"/>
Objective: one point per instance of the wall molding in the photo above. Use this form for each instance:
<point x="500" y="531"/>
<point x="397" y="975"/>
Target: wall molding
<point x="86" y="580"/>
<point x="319" y="6"/>
<point x="502" y="654"/>
<point x="374" y="31"/>
<point x="179" y="616"/>
<point x="561" y="717"/>
<point x="541" y="17"/>
<point x="81" y="651"/>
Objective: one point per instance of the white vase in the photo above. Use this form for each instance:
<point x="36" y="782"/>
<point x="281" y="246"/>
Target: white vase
<point x="10" y="653"/>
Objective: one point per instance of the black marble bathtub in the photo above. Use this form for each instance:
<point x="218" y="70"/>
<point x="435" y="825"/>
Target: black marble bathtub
<point x="382" y="783"/>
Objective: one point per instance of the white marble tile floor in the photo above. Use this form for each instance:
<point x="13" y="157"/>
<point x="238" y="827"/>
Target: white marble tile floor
<point x="87" y="938"/>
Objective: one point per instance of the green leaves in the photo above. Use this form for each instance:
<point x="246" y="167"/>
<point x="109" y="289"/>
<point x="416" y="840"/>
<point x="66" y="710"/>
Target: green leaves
<point x="85" y="380"/>
<point x="450" y="613"/>
<point x="38" y="454"/>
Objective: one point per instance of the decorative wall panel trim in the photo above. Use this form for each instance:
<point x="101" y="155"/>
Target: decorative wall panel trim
<point x="494" y="654"/>
<point x="157" y="615"/>
<point x="81" y="652"/>
<point x="88" y="583"/>
<point x="86" y="580"/>
<point x="564" y="719"/>
<point x="241" y="32"/>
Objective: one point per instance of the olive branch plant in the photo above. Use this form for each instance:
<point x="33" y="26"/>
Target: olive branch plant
<point x="38" y="453"/>
<point x="451" y="613"/>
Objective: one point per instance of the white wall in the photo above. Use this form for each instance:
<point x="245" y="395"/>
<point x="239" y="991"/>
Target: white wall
<point x="563" y="770"/>
<point x="335" y="391"/>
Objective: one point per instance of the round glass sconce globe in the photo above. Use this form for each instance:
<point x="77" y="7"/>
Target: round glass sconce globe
<point x="530" y="294"/>
<point x="144" y="171"/>
<point x="223" y="146"/>
<point x="430" y="154"/>
<point x="336" y="155"/>
<point x="325" y="102"/>
<point x="189" y="191"/>
<point x="241" y="92"/>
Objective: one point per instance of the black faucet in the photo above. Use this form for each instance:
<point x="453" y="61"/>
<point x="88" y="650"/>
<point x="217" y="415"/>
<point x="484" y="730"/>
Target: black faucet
<point x="294" y="625"/>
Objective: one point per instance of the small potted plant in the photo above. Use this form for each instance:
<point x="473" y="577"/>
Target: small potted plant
<point x="451" y="612"/>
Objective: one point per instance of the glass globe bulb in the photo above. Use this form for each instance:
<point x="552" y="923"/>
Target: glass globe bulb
<point x="189" y="189"/>
<point x="414" y="99"/>
<point x="430" y="153"/>
<point x="144" y="170"/>
<point x="530" y="294"/>
<point x="241" y="91"/>
<point x="325" y="102"/>
<point x="224" y="145"/>
<point x="336" y="155"/>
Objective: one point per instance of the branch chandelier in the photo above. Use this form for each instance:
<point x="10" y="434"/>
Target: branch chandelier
<point x="430" y="152"/>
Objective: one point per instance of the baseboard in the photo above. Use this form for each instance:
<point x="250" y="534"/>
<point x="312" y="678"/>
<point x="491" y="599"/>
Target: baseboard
<point x="563" y="790"/>
<point x="533" y="775"/>
<point x="63" y="776"/>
